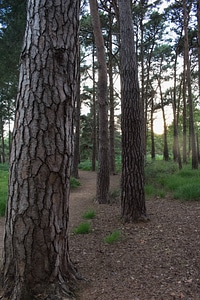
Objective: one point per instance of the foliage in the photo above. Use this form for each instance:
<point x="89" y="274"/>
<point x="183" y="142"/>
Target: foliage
<point x="89" y="214"/>
<point x="82" y="228"/>
<point x="164" y="177"/>
<point x="85" y="165"/>
<point x="156" y="170"/>
<point x="113" y="237"/>
<point x="3" y="188"/>
<point x="74" y="183"/>
<point x="184" y="184"/>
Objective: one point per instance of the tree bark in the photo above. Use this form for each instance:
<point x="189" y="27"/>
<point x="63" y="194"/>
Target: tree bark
<point x="198" y="41"/>
<point x="103" y="176"/>
<point x="36" y="263"/>
<point x="188" y="78"/>
<point x="165" y="149"/>
<point x="77" y="113"/>
<point x="111" y="96"/>
<point x="94" y="114"/>
<point x="133" y="206"/>
<point x="153" y="152"/>
<point x="176" y="144"/>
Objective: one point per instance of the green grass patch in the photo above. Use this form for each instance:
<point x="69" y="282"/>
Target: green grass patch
<point x="85" y="165"/>
<point x="82" y="228"/>
<point x="89" y="214"/>
<point x="150" y="190"/>
<point x="189" y="192"/>
<point x="164" y="177"/>
<point x="113" y="237"/>
<point x="3" y="188"/>
<point x="74" y="183"/>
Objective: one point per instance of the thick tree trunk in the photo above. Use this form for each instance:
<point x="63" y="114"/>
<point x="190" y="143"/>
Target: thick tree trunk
<point x="36" y="257"/>
<point x="132" y="194"/>
<point x="103" y="176"/>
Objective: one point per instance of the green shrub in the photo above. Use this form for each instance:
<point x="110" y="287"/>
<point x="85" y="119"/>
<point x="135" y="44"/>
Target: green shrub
<point x="190" y="191"/>
<point x="3" y="188"/>
<point x="89" y="214"/>
<point x="149" y="190"/>
<point x="74" y="183"/>
<point x="82" y="228"/>
<point x="85" y="165"/>
<point x="157" y="170"/>
<point x="173" y="182"/>
<point x="114" y="237"/>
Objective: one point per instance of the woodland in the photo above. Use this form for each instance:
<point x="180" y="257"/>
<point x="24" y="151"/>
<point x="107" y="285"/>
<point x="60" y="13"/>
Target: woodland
<point x="83" y="83"/>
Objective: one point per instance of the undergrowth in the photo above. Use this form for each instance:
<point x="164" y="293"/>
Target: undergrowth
<point x="3" y="188"/>
<point x="161" y="178"/>
<point x="165" y="177"/>
<point x="113" y="237"/>
<point x="82" y="228"/>
<point x="89" y="214"/>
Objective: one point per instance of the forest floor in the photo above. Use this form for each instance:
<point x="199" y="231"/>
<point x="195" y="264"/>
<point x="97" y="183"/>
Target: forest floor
<point x="157" y="260"/>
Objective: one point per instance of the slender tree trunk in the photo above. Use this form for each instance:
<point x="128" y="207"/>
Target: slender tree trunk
<point x="36" y="263"/>
<point x="184" y="115"/>
<point x="165" y="150"/>
<point x="111" y="102"/>
<point x="2" y="154"/>
<point x="94" y="113"/>
<point x="144" y="100"/>
<point x="190" y="100"/>
<point x="133" y="206"/>
<point x="153" y="153"/>
<point x="76" y="157"/>
<point x="198" y="41"/>
<point x="176" y="145"/>
<point x="103" y="176"/>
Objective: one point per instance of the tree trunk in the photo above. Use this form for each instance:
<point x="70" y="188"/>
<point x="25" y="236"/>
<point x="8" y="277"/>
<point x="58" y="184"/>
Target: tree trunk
<point x="36" y="263"/>
<point x="76" y="157"/>
<point x="153" y="153"/>
<point x="175" y="108"/>
<point x="133" y="206"/>
<point x="198" y="41"/>
<point x="165" y="150"/>
<point x="111" y="98"/>
<point x="2" y="153"/>
<point x="103" y="176"/>
<point x="94" y="114"/>
<point x="190" y="100"/>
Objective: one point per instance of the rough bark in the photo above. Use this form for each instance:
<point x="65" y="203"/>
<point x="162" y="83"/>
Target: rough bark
<point x="133" y="206"/>
<point x="36" y="263"/>
<point x="103" y="176"/>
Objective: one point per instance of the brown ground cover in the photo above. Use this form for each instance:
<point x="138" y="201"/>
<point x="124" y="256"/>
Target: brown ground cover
<point x="158" y="260"/>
